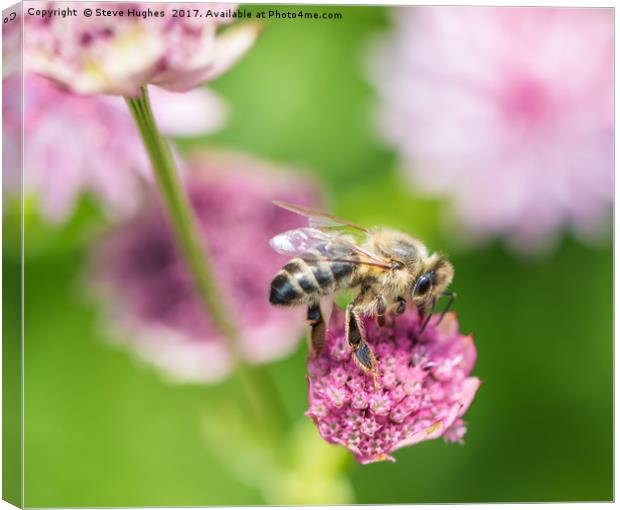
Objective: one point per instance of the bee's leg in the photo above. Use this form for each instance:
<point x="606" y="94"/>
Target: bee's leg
<point x="421" y="312"/>
<point x="401" y="305"/>
<point x="316" y="339"/>
<point x="362" y="353"/>
<point x="430" y="314"/>
<point x="398" y="307"/>
<point x="381" y="309"/>
<point x="451" y="297"/>
<point x="353" y="331"/>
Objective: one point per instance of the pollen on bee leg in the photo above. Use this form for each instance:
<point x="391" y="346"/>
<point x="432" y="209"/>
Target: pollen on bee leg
<point x="316" y="339"/>
<point x="316" y="336"/>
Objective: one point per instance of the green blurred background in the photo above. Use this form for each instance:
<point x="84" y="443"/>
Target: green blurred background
<point x="103" y="429"/>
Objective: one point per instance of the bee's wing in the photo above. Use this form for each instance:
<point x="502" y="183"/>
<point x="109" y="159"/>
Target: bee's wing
<point x="318" y="219"/>
<point x="312" y="243"/>
<point x="298" y="241"/>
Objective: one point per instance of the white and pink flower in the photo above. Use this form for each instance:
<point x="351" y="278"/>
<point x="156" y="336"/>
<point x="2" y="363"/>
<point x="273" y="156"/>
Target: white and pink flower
<point x="117" y="55"/>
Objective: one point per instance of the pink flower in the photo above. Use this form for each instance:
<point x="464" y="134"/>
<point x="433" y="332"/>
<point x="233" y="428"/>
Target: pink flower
<point x="117" y="55"/>
<point x="506" y="111"/>
<point x="76" y="144"/>
<point x="149" y="292"/>
<point x="424" y="386"/>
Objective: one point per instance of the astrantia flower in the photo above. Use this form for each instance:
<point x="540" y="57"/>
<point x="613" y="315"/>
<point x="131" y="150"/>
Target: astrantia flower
<point x="149" y="291"/>
<point x="424" y="386"/>
<point x="76" y="143"/>
<point x="119" y="54"/>
<point x="508" y="112"/>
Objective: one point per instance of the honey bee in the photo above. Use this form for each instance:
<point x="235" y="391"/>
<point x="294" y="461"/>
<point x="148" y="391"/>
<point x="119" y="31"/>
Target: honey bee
<point x="391" y="270"/>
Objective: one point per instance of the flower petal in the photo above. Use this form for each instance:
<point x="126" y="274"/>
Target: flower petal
<point x="228" y="48"/>
<point x="194" y="112"/>
<point x="470" y="387"/>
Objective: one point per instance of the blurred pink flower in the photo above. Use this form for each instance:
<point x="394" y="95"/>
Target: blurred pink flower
<point x="148" y="289"/>
<point x="11" y="102"/>
<point x="77" y="143"/>
<point x="507" y="111"/>
<point x="117" y="55"/>
<point x="424" y="387"/>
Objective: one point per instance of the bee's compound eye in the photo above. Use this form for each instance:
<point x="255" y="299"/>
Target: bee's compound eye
<point x="423" y="284"/>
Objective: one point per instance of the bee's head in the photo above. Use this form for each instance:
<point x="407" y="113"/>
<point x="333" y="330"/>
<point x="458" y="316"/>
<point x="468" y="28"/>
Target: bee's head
<point x="433" y="280"/>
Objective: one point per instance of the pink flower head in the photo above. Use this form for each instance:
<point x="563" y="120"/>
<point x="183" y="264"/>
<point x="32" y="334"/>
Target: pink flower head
<point x="424" y="386"/>
<point x="149" y="290"/>
<point x="506" y="111"/>
<point x="75" y="144"/>
<point x="118" y="54"/>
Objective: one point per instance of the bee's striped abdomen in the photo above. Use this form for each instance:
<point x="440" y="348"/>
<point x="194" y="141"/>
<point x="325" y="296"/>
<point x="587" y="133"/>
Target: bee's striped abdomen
<point x="305" y="281"/>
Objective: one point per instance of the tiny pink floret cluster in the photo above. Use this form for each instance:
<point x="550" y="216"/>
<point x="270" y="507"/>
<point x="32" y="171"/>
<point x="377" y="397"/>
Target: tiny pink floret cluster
<point x="424" y="387"/>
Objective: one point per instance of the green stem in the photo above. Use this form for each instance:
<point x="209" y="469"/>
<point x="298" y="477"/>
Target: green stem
<point x="257" y="391"/>
<point x="192" y="247"/>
